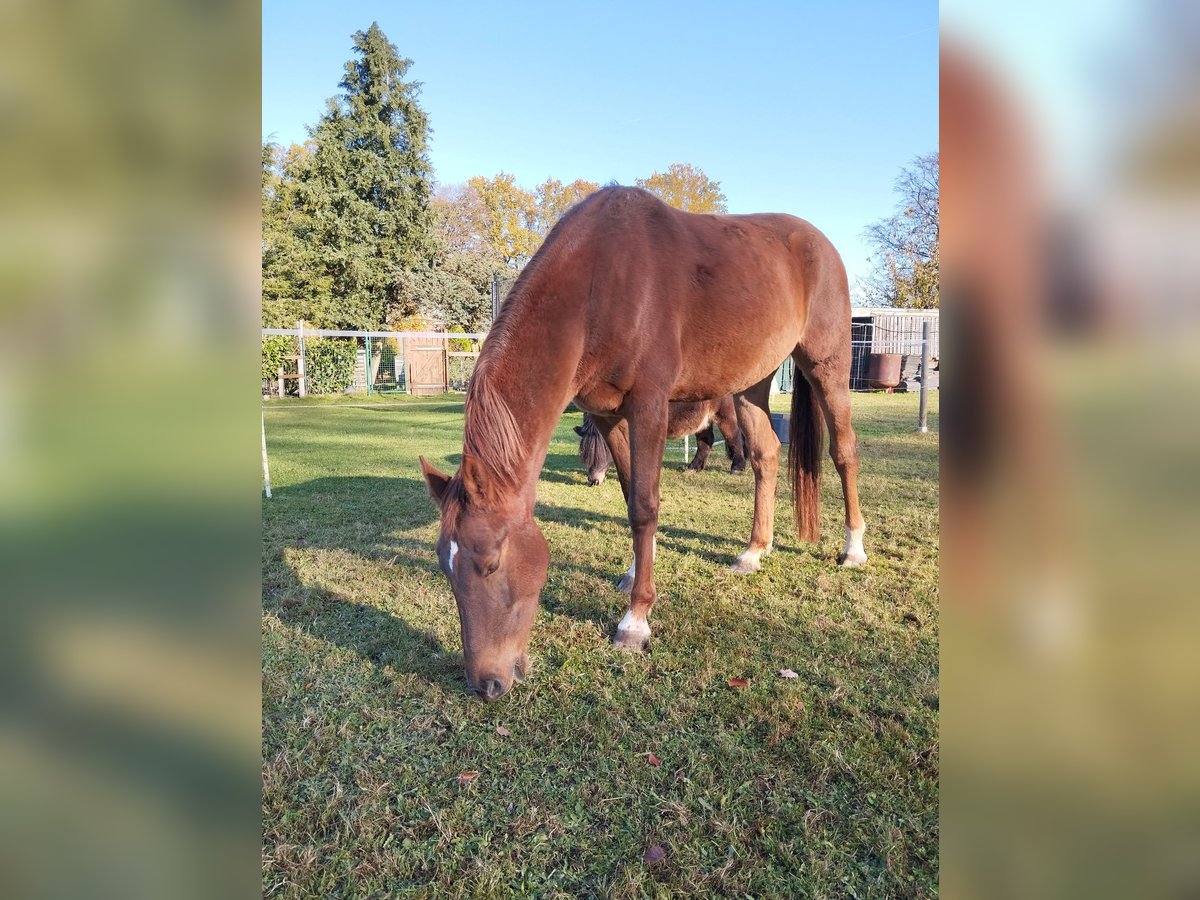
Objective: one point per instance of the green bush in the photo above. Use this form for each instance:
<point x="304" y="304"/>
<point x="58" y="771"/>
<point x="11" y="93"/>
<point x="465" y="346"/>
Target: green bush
<point x="329" y="364"/>
<point x="274" y="348"/>
<point x="460" y="345"/>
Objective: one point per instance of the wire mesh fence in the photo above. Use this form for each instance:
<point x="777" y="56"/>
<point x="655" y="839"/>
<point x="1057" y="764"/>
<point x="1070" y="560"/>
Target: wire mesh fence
<point x="302" y="361"/>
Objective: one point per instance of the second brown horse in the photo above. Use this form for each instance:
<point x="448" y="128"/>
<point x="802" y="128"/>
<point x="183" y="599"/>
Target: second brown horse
<point x="682" y="419"/>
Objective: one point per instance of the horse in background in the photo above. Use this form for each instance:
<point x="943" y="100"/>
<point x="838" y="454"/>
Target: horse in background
<point x="596" y="457"/>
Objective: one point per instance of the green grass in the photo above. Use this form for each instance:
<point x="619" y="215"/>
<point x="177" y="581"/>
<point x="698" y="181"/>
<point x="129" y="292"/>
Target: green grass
<point x="820" y="786"/>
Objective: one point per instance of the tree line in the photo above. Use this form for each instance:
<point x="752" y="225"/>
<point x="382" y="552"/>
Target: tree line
<point x="358" y="234"/>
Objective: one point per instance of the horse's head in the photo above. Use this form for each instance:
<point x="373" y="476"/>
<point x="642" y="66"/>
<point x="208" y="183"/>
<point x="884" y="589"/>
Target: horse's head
<point x="496" y="559"/>
<point x="593" y="452"/>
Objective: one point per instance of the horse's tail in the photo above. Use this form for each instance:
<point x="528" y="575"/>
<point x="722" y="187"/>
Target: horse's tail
<point x="804" y="458"/>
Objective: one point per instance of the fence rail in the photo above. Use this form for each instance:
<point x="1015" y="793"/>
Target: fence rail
<point x="891" y="350"/>
<point x="325" y="332"/>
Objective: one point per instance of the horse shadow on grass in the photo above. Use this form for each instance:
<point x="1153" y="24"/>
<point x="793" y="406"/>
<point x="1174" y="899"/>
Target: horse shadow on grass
<point x="375" y="635"/>
<point x="718" y="549"/>
<point x="358" y="515"/>
<point x="366" y="515"/>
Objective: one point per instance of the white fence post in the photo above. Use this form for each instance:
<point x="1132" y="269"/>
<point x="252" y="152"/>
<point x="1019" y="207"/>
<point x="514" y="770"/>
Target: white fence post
<point x="923" y="416"/>
<point x="300" y="362"/>
<point x="266" y="470"/>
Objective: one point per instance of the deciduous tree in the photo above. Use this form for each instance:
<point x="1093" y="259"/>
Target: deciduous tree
<point x="905" y="259"/>
<point x="554" y="198"/>
<point x="460" y="218"/>
<point x="686" y="187"/>
<point x="510" y="218"/>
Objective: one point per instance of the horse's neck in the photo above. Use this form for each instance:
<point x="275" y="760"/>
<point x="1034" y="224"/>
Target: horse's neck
<point x="531" y="373"/>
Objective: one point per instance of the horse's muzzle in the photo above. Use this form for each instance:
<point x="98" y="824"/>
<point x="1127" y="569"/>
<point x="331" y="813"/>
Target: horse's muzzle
<point x="495" y="688"/>
<point x="492" y="689"/>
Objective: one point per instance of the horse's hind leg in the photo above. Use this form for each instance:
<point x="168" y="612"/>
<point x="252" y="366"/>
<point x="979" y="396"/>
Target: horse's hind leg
<point x="735" y="440"/>
<point x="704" y="442"/>
<point x="830" y="380"/>
<point x="754" y="417"/>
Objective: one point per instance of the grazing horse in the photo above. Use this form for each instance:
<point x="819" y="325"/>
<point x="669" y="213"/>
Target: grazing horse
<point x="596" y="457"/>
<point x="628" y="306"/>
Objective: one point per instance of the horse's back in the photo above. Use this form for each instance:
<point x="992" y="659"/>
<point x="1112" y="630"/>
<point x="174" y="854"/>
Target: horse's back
<point x="709" y="304"/>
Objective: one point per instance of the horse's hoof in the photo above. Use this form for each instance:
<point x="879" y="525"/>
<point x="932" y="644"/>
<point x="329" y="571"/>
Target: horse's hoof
<point x="631" y="641"/>
<point x="745" y="566"/>
<point x="851" y="560"/>
<point x="737" y="470"/>
<point x="625" y="584"/>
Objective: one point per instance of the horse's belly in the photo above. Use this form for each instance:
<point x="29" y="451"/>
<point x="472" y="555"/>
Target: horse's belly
<point x="727" y="368"/>
<point x="687" y="418"/>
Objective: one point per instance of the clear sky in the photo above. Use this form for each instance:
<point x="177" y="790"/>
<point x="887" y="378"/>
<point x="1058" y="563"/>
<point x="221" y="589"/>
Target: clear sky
<point x="798" y="107"/>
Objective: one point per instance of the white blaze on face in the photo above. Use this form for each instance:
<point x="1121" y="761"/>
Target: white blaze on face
<point x="450" y="558"/>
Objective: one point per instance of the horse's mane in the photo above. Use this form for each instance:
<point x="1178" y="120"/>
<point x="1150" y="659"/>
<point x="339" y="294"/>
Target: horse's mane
<point x="490" y="432"/>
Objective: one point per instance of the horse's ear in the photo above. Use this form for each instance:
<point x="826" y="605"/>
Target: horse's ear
<point x="473" y="478"/>
<point x="435" y="481"/>
<point x="579" y="430"/>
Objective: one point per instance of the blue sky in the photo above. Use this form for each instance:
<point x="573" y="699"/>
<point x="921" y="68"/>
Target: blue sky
<point x="809" y="109"/>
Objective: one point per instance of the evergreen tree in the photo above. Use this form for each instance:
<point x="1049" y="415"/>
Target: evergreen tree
<point x="295" y="279"/>
<point x="364" y="188"/>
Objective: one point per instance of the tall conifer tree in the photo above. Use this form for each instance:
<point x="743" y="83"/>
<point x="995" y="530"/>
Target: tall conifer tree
<point x="367" y="185"/>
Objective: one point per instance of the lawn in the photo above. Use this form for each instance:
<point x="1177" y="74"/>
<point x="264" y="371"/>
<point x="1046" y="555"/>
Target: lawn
<point x="822" y="785"/>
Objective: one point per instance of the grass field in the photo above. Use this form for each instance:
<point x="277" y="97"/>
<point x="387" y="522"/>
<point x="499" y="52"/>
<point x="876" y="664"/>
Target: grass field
<point x="823" y="785"/>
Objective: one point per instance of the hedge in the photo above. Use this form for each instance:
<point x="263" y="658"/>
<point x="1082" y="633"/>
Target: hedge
<point x="328" y="362"/>
<point x="274" y="348"/>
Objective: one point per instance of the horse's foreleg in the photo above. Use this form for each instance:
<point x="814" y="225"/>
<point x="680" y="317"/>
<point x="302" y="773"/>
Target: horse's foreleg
<point x="755" y="420"/>
<point x="627" y="580"/>
<point x="616" y="435"/>
<point x="647" y="438"/>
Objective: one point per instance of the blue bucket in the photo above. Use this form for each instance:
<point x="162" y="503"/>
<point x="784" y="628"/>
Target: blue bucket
<point x="782" y="423"/>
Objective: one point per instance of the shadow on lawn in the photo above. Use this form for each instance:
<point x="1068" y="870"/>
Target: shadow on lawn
<point x="566" y="468"/>
<point x="362" y="515"/>
<point x="375" y="635"/>
<point x="358" y="515"/>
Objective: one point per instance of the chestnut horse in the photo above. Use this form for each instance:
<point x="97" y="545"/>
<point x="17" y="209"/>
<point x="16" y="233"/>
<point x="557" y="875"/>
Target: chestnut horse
<point x="629" y="305"/>
<point x="683" y="419"/>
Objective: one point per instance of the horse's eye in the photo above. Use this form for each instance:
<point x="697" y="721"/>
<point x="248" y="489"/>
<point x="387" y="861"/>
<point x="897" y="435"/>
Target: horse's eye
<point x="491" y="568"/>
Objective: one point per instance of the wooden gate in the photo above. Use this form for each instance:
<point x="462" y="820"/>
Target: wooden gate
<point x="427" y="370"/>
